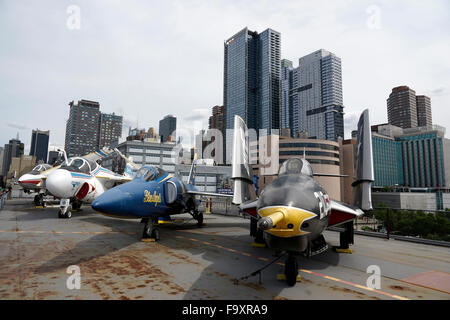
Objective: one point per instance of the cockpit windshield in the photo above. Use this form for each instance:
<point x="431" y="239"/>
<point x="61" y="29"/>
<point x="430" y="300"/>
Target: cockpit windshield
<point x="39" y="168"/>
<point x="296" y="166"/>
<point x="77" y="165"/>
<point x="149" y="173"/>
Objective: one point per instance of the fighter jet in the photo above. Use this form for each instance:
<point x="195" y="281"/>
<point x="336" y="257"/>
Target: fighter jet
<point x="34" y="181"/>
<point x="81" y="180"/>
<point x="153" y="196"/>
<point x="294" y="209"/>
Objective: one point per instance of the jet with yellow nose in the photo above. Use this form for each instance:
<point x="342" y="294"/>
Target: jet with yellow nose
<point x="293" y="210"/>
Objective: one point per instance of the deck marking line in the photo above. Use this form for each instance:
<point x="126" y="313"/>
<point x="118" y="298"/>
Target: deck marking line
<point x="63" y="232"/>
<point x="321" y="275"/>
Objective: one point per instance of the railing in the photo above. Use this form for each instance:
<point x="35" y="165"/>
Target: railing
<point x="424" y="226"/>
<point x="219" y="205"/>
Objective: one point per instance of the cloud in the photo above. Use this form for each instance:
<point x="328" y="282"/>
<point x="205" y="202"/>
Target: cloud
<point x="439" y="92"/>
<point x="145" y="60"/>
<point x="197" y="115"/>
<point x="350" y="123"/>
<point x="19" y="126"/>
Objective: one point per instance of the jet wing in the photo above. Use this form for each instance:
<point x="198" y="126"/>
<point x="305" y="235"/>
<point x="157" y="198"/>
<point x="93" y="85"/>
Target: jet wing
<point x="342" y="212"/>
<point x="110" y="180"/>
<point x="249" y="208"/>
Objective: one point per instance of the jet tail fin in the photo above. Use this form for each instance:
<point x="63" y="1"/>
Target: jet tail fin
<point x="128" y="172"/>
<point x="241" y="170"/>
<point x="191" y="179"/>
<point x="128" y="161"/>
<point x="364" y="164"/>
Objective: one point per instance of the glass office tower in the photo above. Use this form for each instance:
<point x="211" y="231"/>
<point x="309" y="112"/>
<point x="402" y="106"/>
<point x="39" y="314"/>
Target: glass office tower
<point x="39" y="145"/>
<point x="316" y="96"/>
<point x="252" y="80"/>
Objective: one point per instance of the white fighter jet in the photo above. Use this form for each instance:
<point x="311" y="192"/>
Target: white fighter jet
<point x="81" y="180"/>
<point x="34" y="181"/>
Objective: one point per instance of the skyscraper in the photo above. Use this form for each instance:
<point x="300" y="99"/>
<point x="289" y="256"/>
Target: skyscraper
<point x="252" y="79"/>
<point x="52" y="157"/>
<point x="406" y="110"/>
<point x="88" y="130"/>
<point x="423" y="104"/>
<point x="13" y="149"/>
<point x="286" y="86"/>
<point x="316" y="96"/>
<point x="39" y="145"/>
<point x="217" y="121"/>
<point x="402" y="108"/>
<point x="269" y="80"/>
<point x="82" y="128"/>
<point x="110" y="130"/>
<point x="167" y="128"/>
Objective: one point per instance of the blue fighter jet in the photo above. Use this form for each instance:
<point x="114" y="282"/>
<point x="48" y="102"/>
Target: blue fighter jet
<point x="153" y="196"/>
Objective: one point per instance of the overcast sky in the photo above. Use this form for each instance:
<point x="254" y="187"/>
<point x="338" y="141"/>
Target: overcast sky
<point x="147" y="59"/>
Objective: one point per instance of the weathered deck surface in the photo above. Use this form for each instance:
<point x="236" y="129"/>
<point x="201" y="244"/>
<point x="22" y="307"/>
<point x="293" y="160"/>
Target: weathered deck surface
<point x="195" y="263"/>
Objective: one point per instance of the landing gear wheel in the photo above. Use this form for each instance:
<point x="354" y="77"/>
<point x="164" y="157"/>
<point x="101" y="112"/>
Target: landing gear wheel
<point x="197" y="215"/>
<point x="291" y="270"/>
<point x="150" y="232"/>
<point x="346" y="238"/>
<point x="37" y="200"/>
<point x="155" y="234"/>
<point x="147" y="234"/>
<point x="65" y="213"/>
<point x="199" y="219"/>
<point x="76" y="205"/>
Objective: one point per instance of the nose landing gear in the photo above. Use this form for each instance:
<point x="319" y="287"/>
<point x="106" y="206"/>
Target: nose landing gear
<point x="291" y="269"/>
<point x="151" y="231"/>
<point x="65" y="209"/>
<point x="39" y="200"/>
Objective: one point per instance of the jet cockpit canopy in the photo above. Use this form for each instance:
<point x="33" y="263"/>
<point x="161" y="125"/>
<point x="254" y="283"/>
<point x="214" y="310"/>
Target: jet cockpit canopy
<point x="149" y="173"/>
<point x="79" y="165"/>
<point x="39" y="168"/>
<point x="296" y="166"/>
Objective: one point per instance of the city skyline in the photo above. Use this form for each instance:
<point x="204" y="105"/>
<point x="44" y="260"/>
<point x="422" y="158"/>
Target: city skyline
<point x="127" y="65"/>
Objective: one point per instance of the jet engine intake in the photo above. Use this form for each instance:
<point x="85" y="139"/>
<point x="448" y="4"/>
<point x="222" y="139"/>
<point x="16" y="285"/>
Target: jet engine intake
<point x="85" y="189"/>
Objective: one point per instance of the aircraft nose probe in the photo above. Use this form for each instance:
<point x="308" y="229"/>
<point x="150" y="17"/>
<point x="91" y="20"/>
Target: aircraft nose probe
<point x="271" y="220"/>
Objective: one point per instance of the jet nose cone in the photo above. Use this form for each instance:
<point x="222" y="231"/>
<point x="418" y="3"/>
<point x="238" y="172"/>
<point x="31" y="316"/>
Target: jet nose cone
<point x="59" y="183"/>
<point x="113" y="201"/>
<point x="29" y="179"/>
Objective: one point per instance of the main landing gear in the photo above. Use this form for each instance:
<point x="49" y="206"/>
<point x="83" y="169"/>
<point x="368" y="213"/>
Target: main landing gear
<point x="151" y="231"/>
<point x="197" y="215"/>
<point x="39" y="200"/>
<point x="346" y="238"/>
<point x="65" y="209"/>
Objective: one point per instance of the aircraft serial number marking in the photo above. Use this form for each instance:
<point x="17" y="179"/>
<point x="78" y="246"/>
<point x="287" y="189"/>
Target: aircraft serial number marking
<point x="152" y="198"/>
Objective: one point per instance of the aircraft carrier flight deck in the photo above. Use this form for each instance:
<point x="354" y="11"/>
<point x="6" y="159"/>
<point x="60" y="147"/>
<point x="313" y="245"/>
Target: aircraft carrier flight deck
<point x="190" y="262"/>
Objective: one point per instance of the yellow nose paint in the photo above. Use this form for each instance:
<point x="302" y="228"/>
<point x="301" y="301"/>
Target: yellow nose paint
<point x="284" y="216"/>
